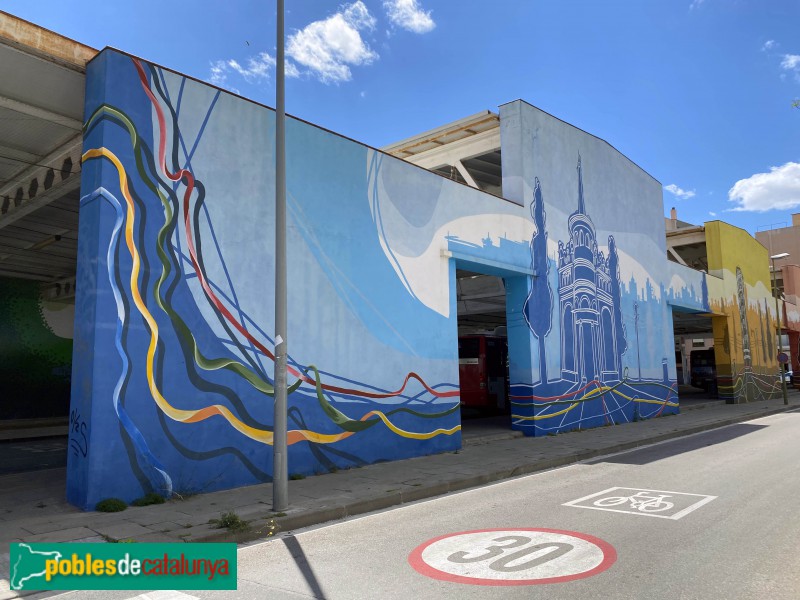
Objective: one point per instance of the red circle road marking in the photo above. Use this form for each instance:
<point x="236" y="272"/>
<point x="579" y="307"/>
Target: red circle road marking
<point x="416" y="560"/>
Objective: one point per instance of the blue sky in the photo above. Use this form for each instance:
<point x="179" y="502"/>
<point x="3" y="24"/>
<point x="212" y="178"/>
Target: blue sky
<point x="697" y="92"/>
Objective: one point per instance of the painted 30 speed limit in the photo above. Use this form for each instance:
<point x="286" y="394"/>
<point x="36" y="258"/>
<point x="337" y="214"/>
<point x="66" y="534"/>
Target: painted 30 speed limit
<point x="526" y="556"/>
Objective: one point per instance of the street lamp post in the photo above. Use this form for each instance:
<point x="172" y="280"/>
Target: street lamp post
<point x="280" y="462"/>
<point x="780" y="330"/>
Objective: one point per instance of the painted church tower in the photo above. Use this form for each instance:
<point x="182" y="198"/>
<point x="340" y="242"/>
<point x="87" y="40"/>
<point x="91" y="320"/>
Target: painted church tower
<point x="588" y="351"/>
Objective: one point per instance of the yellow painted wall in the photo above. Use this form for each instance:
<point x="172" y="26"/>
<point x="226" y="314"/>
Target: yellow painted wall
<point x="745" y="342"/>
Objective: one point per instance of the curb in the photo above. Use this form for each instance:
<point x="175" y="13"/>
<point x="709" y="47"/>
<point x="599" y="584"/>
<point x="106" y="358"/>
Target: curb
<point x="489" y="438"/>
<point x="308" y="518"/>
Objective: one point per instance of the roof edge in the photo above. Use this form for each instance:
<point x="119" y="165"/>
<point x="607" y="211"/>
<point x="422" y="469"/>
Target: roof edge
<point x="589" y="133"/>
<point x="44" y="43"/>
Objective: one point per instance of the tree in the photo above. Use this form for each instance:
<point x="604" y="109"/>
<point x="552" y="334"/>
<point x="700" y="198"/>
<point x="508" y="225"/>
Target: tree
<point x="539" y="302"/>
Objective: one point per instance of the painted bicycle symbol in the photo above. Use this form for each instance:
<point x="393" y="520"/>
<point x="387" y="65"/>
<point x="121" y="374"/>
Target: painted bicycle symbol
<point x="642" y="501"/>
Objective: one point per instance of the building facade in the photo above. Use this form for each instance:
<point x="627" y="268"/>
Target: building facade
<point x="172" y="358"/>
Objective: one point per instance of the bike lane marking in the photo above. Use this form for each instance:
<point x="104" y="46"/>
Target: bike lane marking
<point x="644" y="502"/>
<point x="522" y="556"/>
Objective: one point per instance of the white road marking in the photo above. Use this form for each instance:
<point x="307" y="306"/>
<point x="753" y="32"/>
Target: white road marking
<point x="164" y="595"/>
<point x="644" y="502"/>
<point x="512" y="556"/>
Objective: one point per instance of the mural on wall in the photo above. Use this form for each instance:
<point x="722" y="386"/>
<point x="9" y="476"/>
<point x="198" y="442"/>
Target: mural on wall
<point x="539" y="302"/>
<point x="186" y="401"/>
<point x="594" y="387"/>
<point x="35" y="352"/>
<point x="175" y="296"/>
<point x="736" y="295"/>
<point x="745" y="348"/>
<point x="746" y="355"/>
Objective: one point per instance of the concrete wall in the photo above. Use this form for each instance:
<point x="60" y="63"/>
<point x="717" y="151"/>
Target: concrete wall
<point x="791" y="312"/>
<point x="744" y="332"/>
<point x="782" y="239"/>
<point x="174" y="314"/>
<point x="595" y="322"/>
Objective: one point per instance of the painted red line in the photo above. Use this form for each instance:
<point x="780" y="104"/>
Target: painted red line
<point x="548" y="398"/>
<point x="186" y="174"/>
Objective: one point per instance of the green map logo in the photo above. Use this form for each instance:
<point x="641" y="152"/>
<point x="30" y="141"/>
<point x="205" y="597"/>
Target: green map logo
<point x="27" y="564"/>
<point x="122" y="567"/>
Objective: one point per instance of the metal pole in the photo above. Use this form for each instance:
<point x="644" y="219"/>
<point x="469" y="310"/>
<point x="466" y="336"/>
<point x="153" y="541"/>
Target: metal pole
<point x="280" y="476"/>
<point x="780" y="333"/>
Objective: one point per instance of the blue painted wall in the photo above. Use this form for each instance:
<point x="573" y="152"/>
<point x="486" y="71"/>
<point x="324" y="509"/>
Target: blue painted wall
<point x="174" y="315"/>
<point x="597" y="323"/>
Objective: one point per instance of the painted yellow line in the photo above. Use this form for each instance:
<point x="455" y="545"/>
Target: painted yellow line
<point x="194" y="416"/>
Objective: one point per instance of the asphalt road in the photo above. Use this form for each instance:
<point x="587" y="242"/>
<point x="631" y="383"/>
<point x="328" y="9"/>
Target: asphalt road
<point x="722" y="523"/>
<point x="20" y="456"/>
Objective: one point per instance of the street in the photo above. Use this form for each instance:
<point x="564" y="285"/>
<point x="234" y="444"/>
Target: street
<point x="708" y="516"/>
<point x="28" y="455"/>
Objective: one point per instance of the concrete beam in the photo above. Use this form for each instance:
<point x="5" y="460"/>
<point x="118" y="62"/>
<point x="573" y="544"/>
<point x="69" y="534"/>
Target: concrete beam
<point x="44" y="43"/>
<point x="59" y="290"/>
<point x="38" y="112"/>
<point x="15" y="274"/>
<point x="676" y="239"/>
<point x="15" y="154"/>
<point x="38" y="186"/>
<point x="474" y="145"/>
<point x="465" y="174"/>
<point x="676" y="256"/>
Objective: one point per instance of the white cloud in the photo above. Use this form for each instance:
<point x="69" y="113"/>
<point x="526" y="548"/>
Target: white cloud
<point x="769" y="45"/>
<point x="408" y="14"/>
<point x="695" y="4"/>
<point x="329" y="47"/>
<point x="711" y="213"/>
<point x="791" y="62"/>
<point x="218" y="75"/>
<point x="678" y="192"/>
<point x="777" y="190"/>
<point x="258" y="68"/>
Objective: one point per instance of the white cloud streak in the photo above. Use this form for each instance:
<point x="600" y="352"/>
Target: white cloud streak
<point x="328" y="48"/>
<point x="258" y="68"/>
<point x="679" y="192"/>
<point x="791" y="62"/>
<point x="777" y="190"/>
<point x="769" y="45"/>
<point x="409" y="15"/>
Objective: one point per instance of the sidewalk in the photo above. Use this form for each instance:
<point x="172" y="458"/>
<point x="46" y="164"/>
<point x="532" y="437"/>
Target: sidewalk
<point x="21" y="429"/>
<point x="27" y="513"/>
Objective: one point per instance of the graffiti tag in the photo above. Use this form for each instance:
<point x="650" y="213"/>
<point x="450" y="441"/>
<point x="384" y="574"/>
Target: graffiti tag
<point x="77" y="434"/>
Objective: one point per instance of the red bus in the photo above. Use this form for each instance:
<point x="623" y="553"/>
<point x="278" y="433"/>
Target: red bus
<point x="483" y="372"/>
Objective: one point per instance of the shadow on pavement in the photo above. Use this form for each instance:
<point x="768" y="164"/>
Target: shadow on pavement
<point x="299" y="556"/>
<point x="643" y="456"/>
